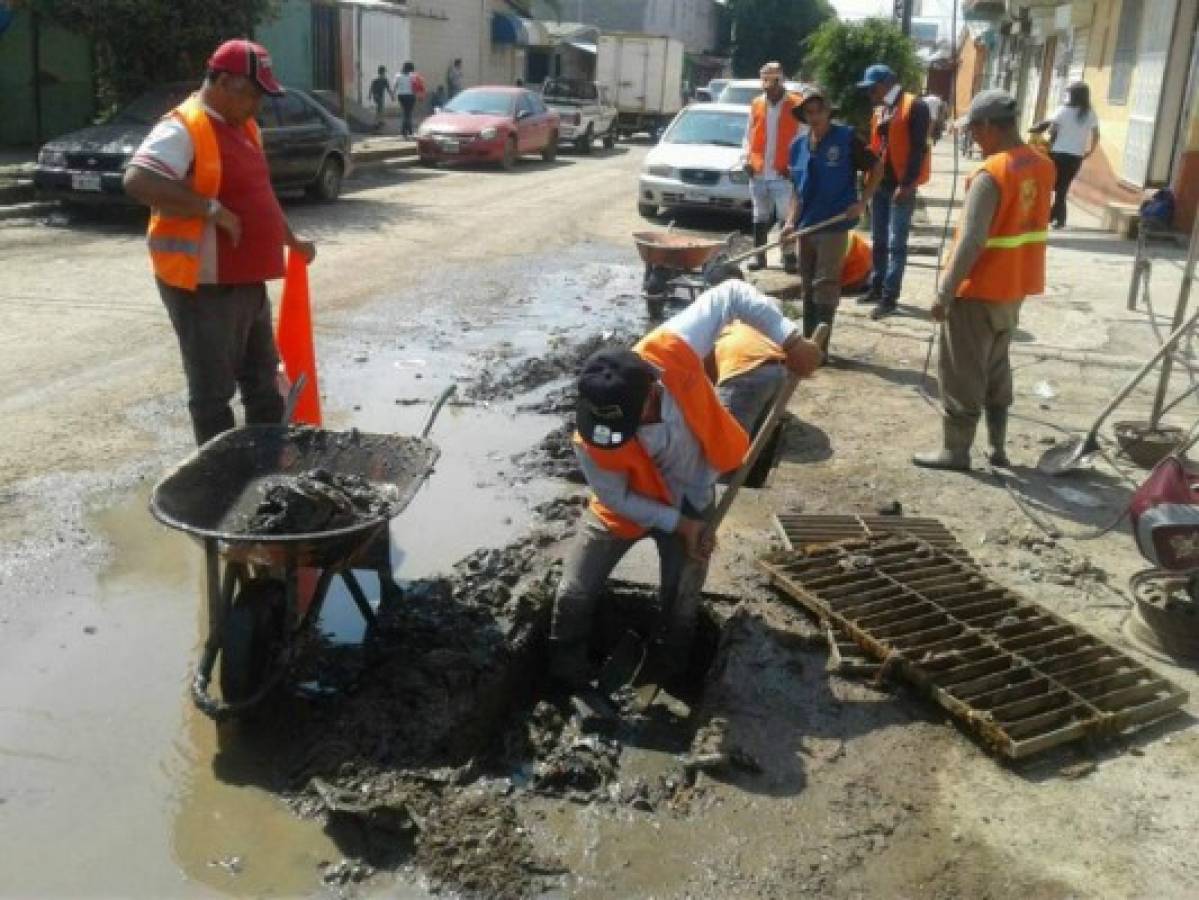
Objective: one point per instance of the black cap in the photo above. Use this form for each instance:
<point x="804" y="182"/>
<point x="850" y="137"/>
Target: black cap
<point x="613" y="387"/>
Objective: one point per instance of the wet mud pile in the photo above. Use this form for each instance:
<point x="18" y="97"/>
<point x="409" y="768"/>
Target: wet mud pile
<point x="316" y="500"/>
<point x="534" y="372"/>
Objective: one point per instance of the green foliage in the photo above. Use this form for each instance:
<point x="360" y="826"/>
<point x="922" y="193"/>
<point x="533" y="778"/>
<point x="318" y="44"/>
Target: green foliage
<point x="766" y="30"/>
<point x="142" y="43"/>
<point x="839" y="52"/>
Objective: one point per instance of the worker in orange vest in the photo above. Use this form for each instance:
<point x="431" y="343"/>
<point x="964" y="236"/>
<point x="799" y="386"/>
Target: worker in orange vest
<point x="768" y="137"/>
<point x="217" y="235"/>
<point x="899" y="133"/>
<point x="747" y="368"/>
<point x="998" y="259"/>
<point x="652" y="439"/>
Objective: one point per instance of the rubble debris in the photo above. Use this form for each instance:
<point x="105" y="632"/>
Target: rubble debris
<point x="553" y="457"/>
<point x="345" y="873"/>
<point x="534" y="372"/>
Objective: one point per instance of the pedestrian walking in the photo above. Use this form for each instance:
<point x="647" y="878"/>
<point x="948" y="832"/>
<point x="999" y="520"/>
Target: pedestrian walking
<point x="825" y="162"/>
<point x="652" y="439"/>
<point x="217" y="235"/>
<point x="380" y="90"/>
<point x="406" y="92"/>
<point x="937" y="110"/>
<point x="771" y="130"/>
<point x="998" y="259"/>
<point x="1073" y="137"/>
<point x="899" y="134"/>
<point x="454" y="79"/>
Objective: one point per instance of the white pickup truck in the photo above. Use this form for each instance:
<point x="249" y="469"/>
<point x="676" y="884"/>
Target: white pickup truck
<point x="586" y="113"/>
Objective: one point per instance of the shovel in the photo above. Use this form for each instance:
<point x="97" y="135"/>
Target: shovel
<point x="719" y="261"/>
<point x="691" y="581"/>
<point x="1072" y="456"/>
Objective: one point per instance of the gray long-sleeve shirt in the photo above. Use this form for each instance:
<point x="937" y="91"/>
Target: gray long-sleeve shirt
<point x="670" y="443"/>
<point x="982" y="201"/>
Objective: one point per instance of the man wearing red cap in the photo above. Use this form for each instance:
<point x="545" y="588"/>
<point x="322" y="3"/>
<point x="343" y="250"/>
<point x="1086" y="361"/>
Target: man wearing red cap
<point x="217" y="235"/>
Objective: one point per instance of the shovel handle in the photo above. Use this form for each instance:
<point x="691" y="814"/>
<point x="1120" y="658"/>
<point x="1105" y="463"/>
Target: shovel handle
<point x="742" y="257"/>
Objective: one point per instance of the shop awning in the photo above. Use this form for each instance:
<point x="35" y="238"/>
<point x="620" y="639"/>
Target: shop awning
<point x="585" y="46"/>
<point x="507" y="28"/>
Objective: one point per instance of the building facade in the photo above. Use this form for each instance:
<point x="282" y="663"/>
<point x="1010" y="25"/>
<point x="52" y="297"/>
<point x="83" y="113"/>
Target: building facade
<point x="696" y="23"/>
<point x="1139" y="58"/>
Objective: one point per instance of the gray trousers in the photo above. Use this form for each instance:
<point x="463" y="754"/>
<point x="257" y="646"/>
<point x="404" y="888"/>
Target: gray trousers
<point x="747" y="396"/>
<point x="593" y="554"/>
<point x="227" y="344"/>
<point x="821" y="256"/>
<point x="974" y="368"/>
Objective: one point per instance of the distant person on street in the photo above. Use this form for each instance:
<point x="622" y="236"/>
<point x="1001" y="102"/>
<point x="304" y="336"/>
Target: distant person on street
<point x="406" y="92"/>
<point x="454" y="80"/>
<point x="217" y="235"/>
<point x="998" y="259"/>
<point x="769" y="134"/>
<point x="937" y="110"/>
<point x="652" y="440"/>
<point x="380" y="90"/>
<point x="825" y="163"/>
<point x="1073" y="137"/>
<point x="899" y="133"/>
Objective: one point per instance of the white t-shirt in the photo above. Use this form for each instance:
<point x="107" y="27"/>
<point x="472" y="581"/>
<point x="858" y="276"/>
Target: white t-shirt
<point x="168" y="151"/>
<point x="1073" y="133"/>
<point x="403" y="85"/>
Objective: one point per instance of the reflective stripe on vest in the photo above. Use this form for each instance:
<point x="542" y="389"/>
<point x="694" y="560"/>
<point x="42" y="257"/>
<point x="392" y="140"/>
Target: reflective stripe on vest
<point x="899" y="141"/>
<point x="784" y="136"/>
<point x="721" y="439"/>
<point x="1012" y="264"/>
<point x="175" y="241"/>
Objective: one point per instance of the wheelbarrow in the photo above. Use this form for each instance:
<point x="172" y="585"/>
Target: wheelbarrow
<point x="675" y="266"/>
<point x="265" y="591"/>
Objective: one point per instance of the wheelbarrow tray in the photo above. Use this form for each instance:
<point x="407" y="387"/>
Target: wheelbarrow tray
<point x="211" y="494"/>
<point x="675" y="251"/>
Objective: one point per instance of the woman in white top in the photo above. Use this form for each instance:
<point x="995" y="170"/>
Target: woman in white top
<point x="1073" y="136"/>
<point x="408" y="87"/>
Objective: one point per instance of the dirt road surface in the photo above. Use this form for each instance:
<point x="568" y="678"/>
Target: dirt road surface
<point x="111" y="784"/>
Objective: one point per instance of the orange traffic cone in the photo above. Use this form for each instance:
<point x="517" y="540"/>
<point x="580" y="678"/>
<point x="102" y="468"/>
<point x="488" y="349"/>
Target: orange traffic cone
<point x="294" y="337"/>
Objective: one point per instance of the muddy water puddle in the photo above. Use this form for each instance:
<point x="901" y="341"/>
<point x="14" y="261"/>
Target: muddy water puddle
<point x="111" y="783"/>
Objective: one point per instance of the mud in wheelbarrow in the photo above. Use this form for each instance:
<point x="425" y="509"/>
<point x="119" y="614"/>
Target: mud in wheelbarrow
<point x="265" y="591"/>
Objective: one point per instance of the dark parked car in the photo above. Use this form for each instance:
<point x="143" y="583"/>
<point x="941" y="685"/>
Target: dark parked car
<point x="307" y="147"/>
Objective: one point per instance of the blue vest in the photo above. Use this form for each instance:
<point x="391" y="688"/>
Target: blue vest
<point x="825" y="181"/>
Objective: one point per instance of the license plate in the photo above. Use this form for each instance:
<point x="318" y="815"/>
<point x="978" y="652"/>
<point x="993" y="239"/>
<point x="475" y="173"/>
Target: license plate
<point x="85" y="181"/>
<point x="695" y="197"/>
<point x="448" y="146"/>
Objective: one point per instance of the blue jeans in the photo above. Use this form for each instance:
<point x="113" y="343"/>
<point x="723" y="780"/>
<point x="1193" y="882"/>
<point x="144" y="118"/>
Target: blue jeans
<point x="890" y="223"/>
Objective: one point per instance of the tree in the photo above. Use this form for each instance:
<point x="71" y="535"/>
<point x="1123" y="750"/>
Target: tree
<point x="839" y="52"/>
<point x="141" y="43"/>
<point x="766" y="30"/>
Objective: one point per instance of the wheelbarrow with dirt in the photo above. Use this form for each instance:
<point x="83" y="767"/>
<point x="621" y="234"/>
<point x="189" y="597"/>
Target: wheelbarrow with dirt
<point x="266" y="582"/>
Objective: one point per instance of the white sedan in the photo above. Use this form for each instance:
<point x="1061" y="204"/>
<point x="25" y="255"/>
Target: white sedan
<point x="698" y="163"/>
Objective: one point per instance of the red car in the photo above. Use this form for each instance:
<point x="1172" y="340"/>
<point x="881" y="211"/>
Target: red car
<point x="489" y="124"/>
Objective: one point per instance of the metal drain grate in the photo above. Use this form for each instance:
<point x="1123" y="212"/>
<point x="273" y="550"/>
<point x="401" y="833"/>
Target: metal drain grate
<point x="801" y="531"/>
<point x="1019" y="676"/>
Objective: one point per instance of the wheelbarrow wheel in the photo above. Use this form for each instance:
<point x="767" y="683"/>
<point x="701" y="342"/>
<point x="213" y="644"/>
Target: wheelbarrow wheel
<point x="248" y="639"/>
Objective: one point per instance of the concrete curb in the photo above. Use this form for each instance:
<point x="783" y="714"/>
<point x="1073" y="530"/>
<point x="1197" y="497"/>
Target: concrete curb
<point x="27" y="210"/>
<point x="370" y="156"/>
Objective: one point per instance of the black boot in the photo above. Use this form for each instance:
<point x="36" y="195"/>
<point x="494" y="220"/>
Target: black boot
<point x="997" y="436"/>
<point x="811" y="318"/>
<point x="761" y="233"/>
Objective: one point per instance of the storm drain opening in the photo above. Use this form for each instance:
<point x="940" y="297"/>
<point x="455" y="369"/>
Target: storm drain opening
<point x="799" y="530"/>
<point x="1020" y="677"/>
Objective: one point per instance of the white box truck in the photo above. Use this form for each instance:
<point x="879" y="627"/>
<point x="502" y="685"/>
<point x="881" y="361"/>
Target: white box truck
<point x="645" y="76"/>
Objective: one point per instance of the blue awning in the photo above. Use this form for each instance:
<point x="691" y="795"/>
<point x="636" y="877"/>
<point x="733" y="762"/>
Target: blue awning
<point x="507" y="28"/>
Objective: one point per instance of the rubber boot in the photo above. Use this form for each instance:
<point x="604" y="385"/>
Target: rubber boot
<point x="790" y="259"/>
<point x="811" y="318"/>
<point x="761" y="233"/>
<point x="997" y="436"/>
<point x="825" y="316"/>
<point x="954" y="454"/>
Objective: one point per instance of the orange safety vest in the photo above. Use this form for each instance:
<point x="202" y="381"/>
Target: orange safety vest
<point x="899" y="141"/>
<point x="721" y="439"/>
<point x="741" y="348"/>
<point x="1012" y="264"/>
<point x="787" y="131"/>
<point x="175" y="240"/>
<point x="859" y="260"/>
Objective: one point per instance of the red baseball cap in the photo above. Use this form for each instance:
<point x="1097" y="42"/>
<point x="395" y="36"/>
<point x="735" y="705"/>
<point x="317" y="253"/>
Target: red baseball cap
<point x="240" y="57"/>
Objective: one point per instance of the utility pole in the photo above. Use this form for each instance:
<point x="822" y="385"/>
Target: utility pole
<point x="903" y="15"/>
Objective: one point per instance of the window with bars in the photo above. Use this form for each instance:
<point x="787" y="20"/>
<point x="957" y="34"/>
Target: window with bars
<point x="1125" y="56"/>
